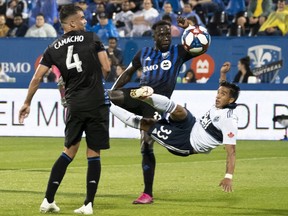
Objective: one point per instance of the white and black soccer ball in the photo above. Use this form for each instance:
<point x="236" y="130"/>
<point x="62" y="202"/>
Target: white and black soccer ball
<point x="196" y="39"/>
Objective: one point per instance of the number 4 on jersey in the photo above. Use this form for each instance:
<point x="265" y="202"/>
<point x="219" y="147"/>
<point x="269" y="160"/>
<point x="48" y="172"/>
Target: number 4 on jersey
<point x="77" y="63"/>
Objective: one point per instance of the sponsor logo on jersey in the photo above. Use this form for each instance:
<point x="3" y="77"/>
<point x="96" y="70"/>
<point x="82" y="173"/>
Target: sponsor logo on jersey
<point x="148" y="58"/>
<point x="72" y="39"/>
<point x="166" y="64"/>
<point x="216" y="119"/>
<point x="150" y="68"/>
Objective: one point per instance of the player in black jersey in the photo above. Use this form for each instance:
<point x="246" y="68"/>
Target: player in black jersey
<point x="83" y="63"/>
<point x="160" y="67"/>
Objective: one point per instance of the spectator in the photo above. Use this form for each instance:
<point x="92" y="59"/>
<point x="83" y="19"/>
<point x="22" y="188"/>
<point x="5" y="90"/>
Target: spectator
<point x="113" y="7"/>
<point x="95" y="11"/>
<point x="3" y="6"/>
<point x="234" y="7"/>
<point x="16" y="7"/>
<point x="3" y="27"/>
<point x="208" y="8"/>
<point x="105" y="28"/>
<point x="234" y="10"/>
<point x="244" y="70"/>
<point x="119" y="70"/>
<point x="168" y="10"/>
<point x="277" y="22"/>
<point x="123" y="20"/>
<point x="136" y="5"/>
<point x="175" y="31"/>
<point x="19" y="28"/>
<point x="49" y="10"/>
<point x="188" y="12"/>
<point x="60" y="3"/>
<point x="192" y="20"/>
<point x="41" y="28"/>
<point x="115" y="56"/>
<point x="189" y="76"/>
<point x="257" y="13"/>
<point x="144" y="19"/>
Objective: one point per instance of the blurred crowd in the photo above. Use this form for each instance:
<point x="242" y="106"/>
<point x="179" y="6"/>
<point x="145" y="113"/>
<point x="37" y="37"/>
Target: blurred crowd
<point x="134" y="18"/>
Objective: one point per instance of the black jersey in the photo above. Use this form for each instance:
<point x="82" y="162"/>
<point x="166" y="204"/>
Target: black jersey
<point x="75" y="55"/>
<point x="160" y="70"/>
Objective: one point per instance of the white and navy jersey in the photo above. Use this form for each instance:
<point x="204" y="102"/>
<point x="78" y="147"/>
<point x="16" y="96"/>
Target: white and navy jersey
<point x="216" y="127"/>
<point x="76" y="56"/>
<point x="160" y="70"/>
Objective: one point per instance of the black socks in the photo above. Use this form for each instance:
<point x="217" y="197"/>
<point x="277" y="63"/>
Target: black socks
<point x="93" y="176"/>
<point x="57" y="173"/>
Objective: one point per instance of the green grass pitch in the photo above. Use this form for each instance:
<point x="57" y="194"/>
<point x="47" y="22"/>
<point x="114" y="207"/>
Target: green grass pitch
<point x="183" y="186"/>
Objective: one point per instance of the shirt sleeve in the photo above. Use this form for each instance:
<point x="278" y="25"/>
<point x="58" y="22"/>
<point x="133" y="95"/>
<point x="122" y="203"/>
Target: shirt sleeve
<point x="46" y="59"/>
<point x="99" y="46"/>
<point x="230" y="129"/>
<point x="136" y="61"/>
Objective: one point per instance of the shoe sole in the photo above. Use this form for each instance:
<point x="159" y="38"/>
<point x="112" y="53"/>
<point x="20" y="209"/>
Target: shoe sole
<point x="49" y="211"/>
<point x="143" y="92"/>
<point x="141" y="203"/>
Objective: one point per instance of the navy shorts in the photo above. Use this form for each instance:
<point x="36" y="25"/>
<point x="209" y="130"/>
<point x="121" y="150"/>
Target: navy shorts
<point x="94" y="123"/>
<point x="174" y="136"/>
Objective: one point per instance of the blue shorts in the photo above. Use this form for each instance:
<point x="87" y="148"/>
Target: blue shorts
<point x="174" y="136"/>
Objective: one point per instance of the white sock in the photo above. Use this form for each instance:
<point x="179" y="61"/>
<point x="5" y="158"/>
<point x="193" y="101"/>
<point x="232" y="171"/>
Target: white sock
<point x="125" y="116"/>
<point x="161" y="103"/>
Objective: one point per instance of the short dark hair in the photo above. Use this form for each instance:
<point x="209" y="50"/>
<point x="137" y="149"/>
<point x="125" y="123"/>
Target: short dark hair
<point x="113" y="38"/>
<point x="160" y="23"/>
<point x="234" y="89"/>
<point x="68" y="10"/>
<point x="40" y="14"/>
<point x="167" y="17"/>
<point x="18" y="15"/>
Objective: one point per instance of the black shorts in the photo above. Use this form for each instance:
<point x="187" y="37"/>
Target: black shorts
<point x="94" y="123"/>
<point x="138" y="107"/>
<point x="174" y="136"/>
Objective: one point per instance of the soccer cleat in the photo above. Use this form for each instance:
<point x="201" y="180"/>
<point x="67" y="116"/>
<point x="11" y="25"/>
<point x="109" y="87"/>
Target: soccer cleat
<point x="48" y="207"/>
<point x="142" y="92"/>
<point x="85" y="209"/>
<point x="143" y="199"/>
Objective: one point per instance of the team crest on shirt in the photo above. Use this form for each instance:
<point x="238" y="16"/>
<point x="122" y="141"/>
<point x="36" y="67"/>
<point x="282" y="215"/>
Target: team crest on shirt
<point x="166" y="65"/>
<point x="165" y="55"/>
<point x="216" y="119"/>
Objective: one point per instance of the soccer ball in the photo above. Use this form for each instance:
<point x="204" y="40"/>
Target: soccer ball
<point x="196" y="39"/>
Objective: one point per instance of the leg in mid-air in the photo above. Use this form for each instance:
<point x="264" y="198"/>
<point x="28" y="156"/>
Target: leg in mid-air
<point x="159" y="102"/>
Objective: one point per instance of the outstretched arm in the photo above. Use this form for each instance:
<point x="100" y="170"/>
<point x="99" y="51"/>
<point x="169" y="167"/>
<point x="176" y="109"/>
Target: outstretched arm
<point x="226" y="183"/>
<point x="125" y="77"/>
<point x="224" y="70"/>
